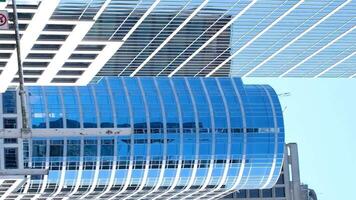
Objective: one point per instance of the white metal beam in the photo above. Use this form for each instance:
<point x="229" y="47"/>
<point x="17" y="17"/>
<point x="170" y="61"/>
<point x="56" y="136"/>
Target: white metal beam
<point x="318" y="51"/>
<point x="61" y="22"/>
<point x="45" y="177"/>
<point x="353" y="76"/>
<point x="334" y="65"/>
<point x="138" y="23"/>
<point x="212" y="38"/>
<point x="179" y="167"/>
<point x="130" y="168"/>
<point x="143" y="49"/>
<point x="43" y="32"/>
<point x="237" y="182"/>
<point x="192" y="177"/>
<point x="63" y="172"/>
<point x="113" y="172"/>
<point x="65" y="51"/>
<point x="228" y="154"/>
<point x="213" y="145"/>
<point x="21" y="10"/>
<point x="169" y="37"/>
<point x="276" y="133"/>
<point x="163" y="166"/>
<point x="108" y="51"/>
<point x="144" y="178"/>
<point x="127" y="17"/>
<point x="255" y="38"/>
<point x="34" y="29"/>
<point x="101" y="10"/>
<point x="43" y="51"/>
<point x="49" y="42"/>
<point x="296" y="38"/>
<point x="80" y="171"/>
<point x="95" y="179"/>
<point x="197" y="38"/>
<point x="12" y="188"/>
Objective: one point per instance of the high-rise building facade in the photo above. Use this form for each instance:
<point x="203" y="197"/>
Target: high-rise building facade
<point x="288" y="186"/>
<point x="69" y="42"/>
<point x="143" y="138"/>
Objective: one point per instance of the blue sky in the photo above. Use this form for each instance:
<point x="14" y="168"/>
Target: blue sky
<point x="320" y="115"/>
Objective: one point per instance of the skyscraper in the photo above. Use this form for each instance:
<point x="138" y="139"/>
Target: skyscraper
<point x="288" y="186"/>
<point x="69" y="42"/>
<point x="143" y="138"/>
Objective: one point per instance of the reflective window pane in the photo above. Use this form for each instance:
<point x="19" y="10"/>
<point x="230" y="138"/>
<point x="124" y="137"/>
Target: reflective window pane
<point x="9" y="102"/>
<point x="10" y="123"/>
<point x="88" y="107"/>
<point x="104" y="104"/>
<point x="54" y="107"/>
<point x="37" y="108"/>
<point x="71" y="106"/>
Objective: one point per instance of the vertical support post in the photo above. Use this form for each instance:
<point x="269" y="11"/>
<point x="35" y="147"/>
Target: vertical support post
<point x="22" y="92"/>
<point x="294" y="163"/>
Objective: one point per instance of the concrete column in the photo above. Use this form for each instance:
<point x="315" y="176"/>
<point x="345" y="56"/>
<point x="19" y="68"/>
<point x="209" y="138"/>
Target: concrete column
<point x="1" y="113"/>
<point x="294" y="166"/>
<point x="20" y="153"/>
<point x="1" y="154"/>
<point x="286" y="174"/>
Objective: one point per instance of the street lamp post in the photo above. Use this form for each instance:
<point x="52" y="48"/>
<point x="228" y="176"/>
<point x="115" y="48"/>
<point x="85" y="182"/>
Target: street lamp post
<point x="25" y="127"/>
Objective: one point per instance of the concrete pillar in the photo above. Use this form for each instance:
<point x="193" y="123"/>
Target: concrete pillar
<point x="294" y="166"/>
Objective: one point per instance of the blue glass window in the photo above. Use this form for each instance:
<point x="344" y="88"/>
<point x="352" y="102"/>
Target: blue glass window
<point x="257" y="107"/>
<point x="107" y="147"/>
<point x="221" y="145"/>
<point x="190" y="144"/>
<point x="104" y="104"/>
<point x="201" y="104"/>
<point x="88" y="107"/>
<point x="173" y="143"/>
<point x="37" y="109"/>
<point x="280" y="192"/>
<point x="217" y="104"/>
<point x="186" y="104"/>
<point x="71" y="106"/>
<point x="153" y="103"/>
<point x="39" y="151"/>
<point x="90" y="147"/>
<point x="39" y="148"/>
<point x="277" y="107"/>
<point x="241" y="194"/>
<point x="254" y="193"/>
<point x="267" y="193"/>
<point x="137" y="103"/>
<point x="175" y="93"/>
<point x="54" y="107"/>
<point x="10" y="122"/>
<point x="170" y="104"/>
<point x="121" y="105"/>
<point x="123" y="147"/>
<point x="140" y="147"/>
<point x="205" y="144"/>
<point x="73" y="148"/>
<point x="233" y="103"/>
<point x="157" y="143"/>
<point x="9" y="102"/>
<point x="56" y="148"/>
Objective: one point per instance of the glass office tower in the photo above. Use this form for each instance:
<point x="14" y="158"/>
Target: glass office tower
<point x="152" y="138"/>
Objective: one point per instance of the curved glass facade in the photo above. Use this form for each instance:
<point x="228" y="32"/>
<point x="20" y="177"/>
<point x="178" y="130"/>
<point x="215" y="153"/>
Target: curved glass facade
<point x="182" y="138"/>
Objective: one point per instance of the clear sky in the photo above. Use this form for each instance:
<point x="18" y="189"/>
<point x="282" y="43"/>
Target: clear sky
<point x="320" y="116"/>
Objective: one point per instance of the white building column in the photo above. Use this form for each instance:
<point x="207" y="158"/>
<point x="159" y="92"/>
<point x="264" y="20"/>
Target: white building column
<point x="237" y="183"/>
<point x="276" y="133"/>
